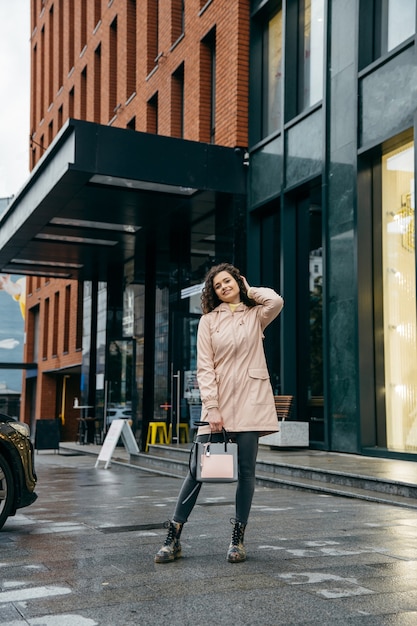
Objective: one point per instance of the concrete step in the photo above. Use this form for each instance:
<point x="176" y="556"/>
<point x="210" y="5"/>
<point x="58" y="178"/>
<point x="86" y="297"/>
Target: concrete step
<point x="316" y="486"/>
<point x="171" y="452"/>
<point x="173" y="461"/>
<point x="341" y="479"/>
<point x="161" y="463"/>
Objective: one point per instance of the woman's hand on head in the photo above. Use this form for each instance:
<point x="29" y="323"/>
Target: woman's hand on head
<point x="215" y="420"/>
<point x="245" y="282"/>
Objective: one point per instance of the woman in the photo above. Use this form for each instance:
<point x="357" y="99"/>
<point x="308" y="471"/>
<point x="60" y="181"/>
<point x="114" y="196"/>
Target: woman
<point x="235" y="390"/>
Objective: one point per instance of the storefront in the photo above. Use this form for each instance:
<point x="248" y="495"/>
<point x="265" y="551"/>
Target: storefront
<point x="331" y="174"/>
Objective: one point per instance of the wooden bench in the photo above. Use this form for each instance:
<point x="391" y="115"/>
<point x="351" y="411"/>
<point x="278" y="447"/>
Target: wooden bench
<point x="292" y="434"/>
<point x="283" y="406"/>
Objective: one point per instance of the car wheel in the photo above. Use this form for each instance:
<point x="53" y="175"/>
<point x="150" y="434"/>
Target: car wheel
<point x="6" y="490"/>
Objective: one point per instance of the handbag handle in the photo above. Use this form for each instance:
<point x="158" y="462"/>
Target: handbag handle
<point x="225" y="434"/>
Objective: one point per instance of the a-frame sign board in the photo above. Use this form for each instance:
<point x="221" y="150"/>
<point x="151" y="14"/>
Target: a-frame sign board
<point x="118" y="428"/>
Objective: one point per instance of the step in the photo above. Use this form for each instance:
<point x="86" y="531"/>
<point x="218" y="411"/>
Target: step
<point x="173" y="461"/>
<point x="347" y="479"/>
<point x="282" y="470"/>
<point x="291" y="476"/>
<point x="181" y="452"/>
<point x="333" y="489"/>
<point x="162" y="464"/>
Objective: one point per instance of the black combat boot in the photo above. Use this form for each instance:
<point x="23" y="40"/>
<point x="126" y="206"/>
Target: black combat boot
<point x="237" y="551"/>
<point x="171" y="549"/>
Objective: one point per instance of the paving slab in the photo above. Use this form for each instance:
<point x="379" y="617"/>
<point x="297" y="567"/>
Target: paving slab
<point x="82" y="555"/>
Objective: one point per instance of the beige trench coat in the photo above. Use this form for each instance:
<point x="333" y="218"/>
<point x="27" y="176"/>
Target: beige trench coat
<point x="231" y="366"/>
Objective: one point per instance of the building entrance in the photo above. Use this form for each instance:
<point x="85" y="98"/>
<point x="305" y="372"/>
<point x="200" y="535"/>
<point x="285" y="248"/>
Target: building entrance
<point x="185" y="395"/>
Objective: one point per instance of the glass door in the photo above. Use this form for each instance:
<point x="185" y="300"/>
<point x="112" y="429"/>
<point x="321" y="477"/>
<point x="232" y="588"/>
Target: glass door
<point x="310" y="273"/>
<point x="185" y="395"/>
<point x="119" y="381"/>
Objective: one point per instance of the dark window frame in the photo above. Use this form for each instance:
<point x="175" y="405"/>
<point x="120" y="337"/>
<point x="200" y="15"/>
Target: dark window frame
<point x="258" y="98"/>
<point x="294" y="76"/>
<point x="373" y="32"/>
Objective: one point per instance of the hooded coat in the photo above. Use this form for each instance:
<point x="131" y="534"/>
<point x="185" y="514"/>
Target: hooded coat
<point x="232" y="372"/>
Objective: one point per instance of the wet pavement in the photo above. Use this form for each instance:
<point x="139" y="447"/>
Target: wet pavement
<point x="82" y="555"/>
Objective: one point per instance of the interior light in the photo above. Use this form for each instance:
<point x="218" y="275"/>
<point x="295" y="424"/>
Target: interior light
<point x="66" y="221"/>
<point x="41" y="272"/>
<point x="402" y="162"/>
<point x="75" y="266"/>
<point x="69" y="239"/>
<point x="129" y="183"/>
<point x="401" y="389"/>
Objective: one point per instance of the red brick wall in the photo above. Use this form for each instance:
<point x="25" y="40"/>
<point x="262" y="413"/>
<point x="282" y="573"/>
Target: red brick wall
<point x="54" y="334"/>
<point x="230" y="20"/>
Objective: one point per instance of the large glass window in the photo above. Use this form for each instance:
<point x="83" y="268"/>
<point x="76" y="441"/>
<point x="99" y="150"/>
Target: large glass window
<point x="304" y="55"/>
<point x="272" y="74"/>
<point x="311" y="57"/>
<point x="267" y="70"/>
<point x="399" y="298"/>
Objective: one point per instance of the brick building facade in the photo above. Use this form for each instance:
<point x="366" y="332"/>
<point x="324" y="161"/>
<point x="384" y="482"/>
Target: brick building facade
<point x="147" y="66"/>
<point x="169" y="67"/>
<point x="258" y="140"/>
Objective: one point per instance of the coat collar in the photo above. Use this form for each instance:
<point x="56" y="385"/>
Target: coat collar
<point x="223" y="306"/>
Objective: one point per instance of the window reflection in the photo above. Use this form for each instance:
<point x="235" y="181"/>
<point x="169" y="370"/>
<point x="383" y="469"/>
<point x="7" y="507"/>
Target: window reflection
<point x="315" y="386"/>
<point x="273" y="71"/>
<point x="312" y="53"/>
<point x="401" y="19"/>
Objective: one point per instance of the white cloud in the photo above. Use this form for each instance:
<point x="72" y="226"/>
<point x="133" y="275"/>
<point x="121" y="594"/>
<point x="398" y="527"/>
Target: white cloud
<point x="14" y="95"/>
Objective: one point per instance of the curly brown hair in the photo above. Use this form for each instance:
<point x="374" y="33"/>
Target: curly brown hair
<point x="209" y="298"/>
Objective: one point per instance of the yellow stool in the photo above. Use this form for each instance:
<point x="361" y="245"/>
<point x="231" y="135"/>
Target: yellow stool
<point x="156" y="429"/>
<point x="183" y="433"/>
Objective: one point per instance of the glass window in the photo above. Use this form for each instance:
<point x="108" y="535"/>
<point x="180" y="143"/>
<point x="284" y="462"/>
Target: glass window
<point x="312" y="41"/>
<point x="384" y="25"/>
<point x="401" y="21"/>
<point x="272" y="104"/>
<point x="208" y="87"/>
<point x="309" y="279"/>
<point x="399" y="298"/>
<point x="316" y="305"/>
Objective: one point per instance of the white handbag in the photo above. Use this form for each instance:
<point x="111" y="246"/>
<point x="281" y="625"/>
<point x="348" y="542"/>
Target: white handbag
<point x="216" y="462"/>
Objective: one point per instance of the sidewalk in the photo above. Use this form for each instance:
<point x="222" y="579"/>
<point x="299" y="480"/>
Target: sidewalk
<point x="82" y="554"/>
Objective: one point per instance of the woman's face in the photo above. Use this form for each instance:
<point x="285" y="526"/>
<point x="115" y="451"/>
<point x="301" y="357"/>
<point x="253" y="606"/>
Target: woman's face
<point x="226" y="288"/>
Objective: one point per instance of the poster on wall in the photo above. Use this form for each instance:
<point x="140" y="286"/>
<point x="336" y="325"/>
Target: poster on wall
<point x="12" y="327"/>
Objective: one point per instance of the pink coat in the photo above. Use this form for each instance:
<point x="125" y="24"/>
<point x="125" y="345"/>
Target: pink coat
<point x="231" y="366"/>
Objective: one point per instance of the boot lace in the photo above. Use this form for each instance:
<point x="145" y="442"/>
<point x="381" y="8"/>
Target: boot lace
<point x="237" y="531"/>
<point x="172" y="531"/>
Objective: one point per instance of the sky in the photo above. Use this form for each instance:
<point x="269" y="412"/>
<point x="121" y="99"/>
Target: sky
<point x="14" y="95"/>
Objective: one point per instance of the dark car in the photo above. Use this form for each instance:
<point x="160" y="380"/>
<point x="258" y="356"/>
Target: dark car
<point x="17" y="473"/>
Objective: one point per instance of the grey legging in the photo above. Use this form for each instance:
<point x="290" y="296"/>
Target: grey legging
<point x="247" y="450"/>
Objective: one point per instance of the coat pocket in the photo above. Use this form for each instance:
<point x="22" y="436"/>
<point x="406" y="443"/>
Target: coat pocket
<point x="260" y="386"/>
